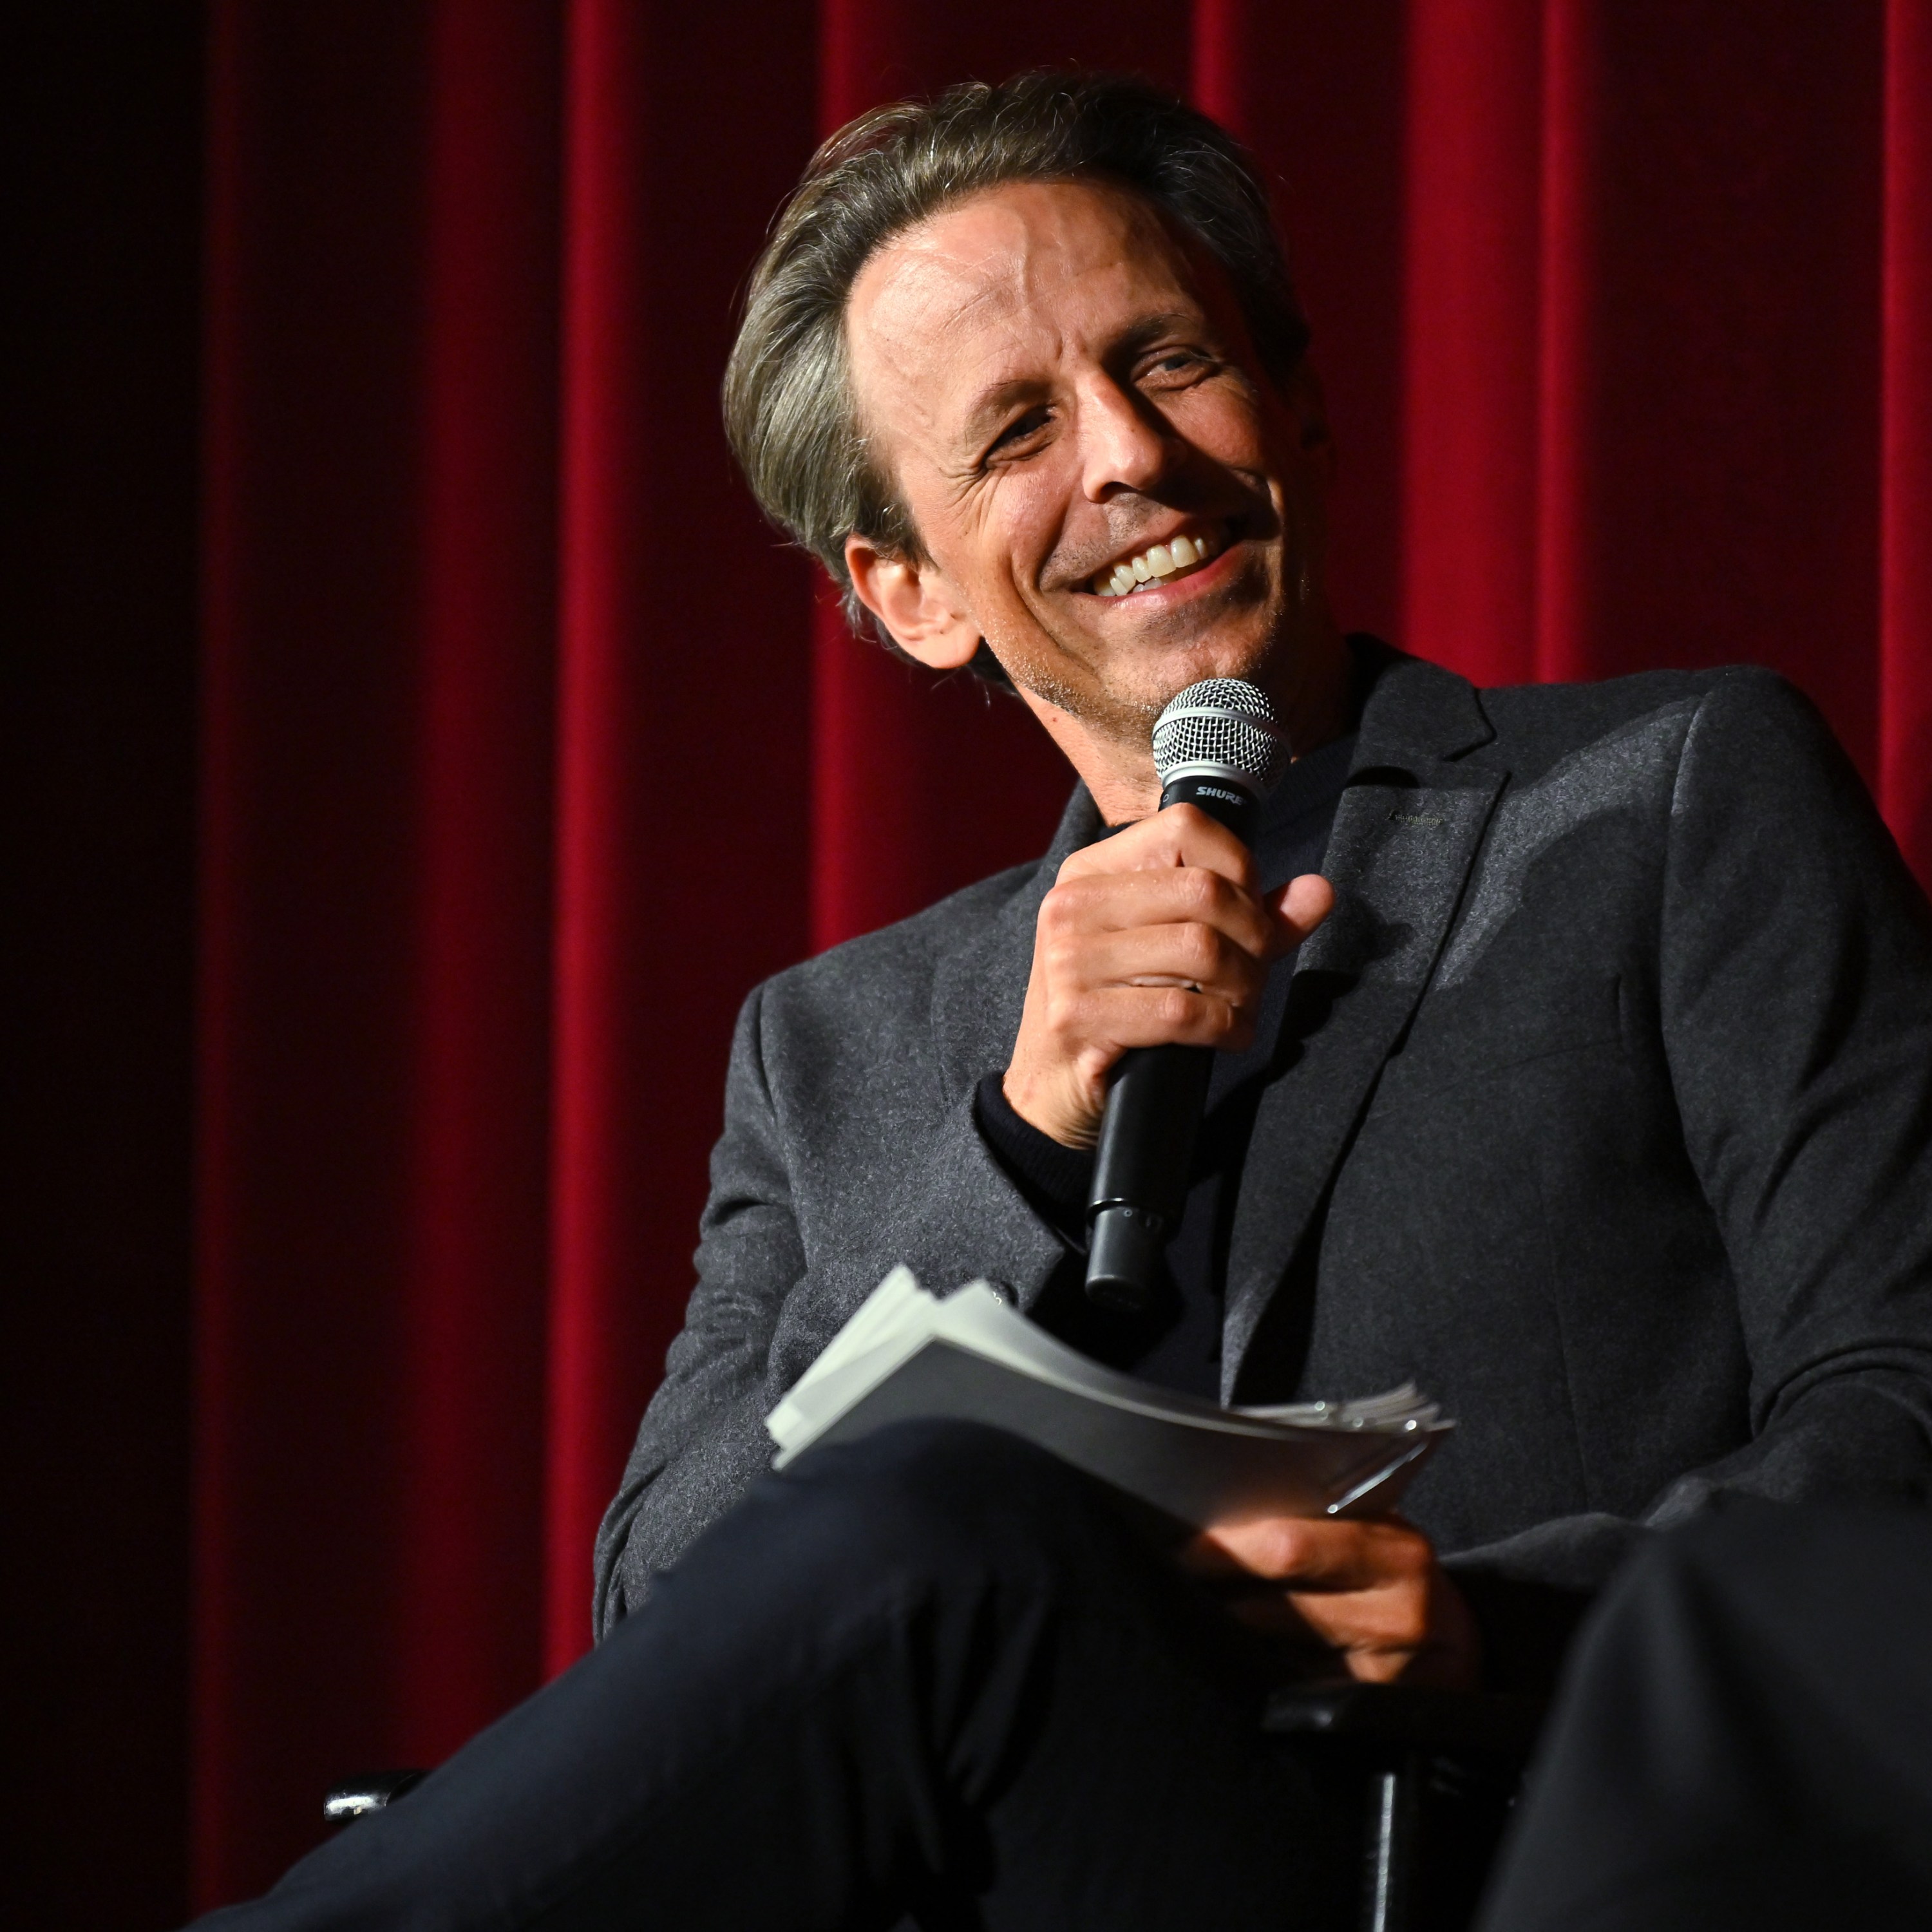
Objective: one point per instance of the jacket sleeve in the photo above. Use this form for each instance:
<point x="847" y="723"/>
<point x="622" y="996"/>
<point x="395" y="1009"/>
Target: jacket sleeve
<point x="774" y="1284"/>
<point x="703" y="1439"/>
<point x="1794" y="992"/>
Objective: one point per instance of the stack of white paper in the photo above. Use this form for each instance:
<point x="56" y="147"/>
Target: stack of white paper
<point x="907" y="1354"/>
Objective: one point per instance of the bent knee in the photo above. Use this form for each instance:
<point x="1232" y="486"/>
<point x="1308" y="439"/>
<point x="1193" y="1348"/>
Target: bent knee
<point x="954" y="1514"/>
<point x="940" y="1469"/>
<point x="938" y="1490"/>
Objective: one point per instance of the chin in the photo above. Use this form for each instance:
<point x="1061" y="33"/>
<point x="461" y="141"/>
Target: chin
<point x="1122" y="693"/>
<point x="1229" y="654"/>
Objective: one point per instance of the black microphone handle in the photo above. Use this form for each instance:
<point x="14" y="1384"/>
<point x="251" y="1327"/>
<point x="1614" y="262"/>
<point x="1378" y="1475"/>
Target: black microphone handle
<point x="1142" y="1168"/>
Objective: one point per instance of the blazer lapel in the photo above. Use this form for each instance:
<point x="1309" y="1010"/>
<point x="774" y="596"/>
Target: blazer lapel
<point x="979" y="990"/>
<point x="1407" y="828"/>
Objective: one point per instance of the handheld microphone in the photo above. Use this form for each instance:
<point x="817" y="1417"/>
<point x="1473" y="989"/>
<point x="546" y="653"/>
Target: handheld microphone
<point x="1219" y="747"/>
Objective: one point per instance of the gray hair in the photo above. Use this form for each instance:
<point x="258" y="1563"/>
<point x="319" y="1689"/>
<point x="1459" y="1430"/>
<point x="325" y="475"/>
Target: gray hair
<point x="788" y="407"/>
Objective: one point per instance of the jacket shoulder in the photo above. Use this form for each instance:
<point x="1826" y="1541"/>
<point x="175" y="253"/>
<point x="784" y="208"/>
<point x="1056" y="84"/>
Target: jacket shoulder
<point x="1535" y="724"/>
<point x="896" y="964"/>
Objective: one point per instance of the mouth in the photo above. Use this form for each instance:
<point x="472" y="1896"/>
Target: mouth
<point x="1159" y="564"/>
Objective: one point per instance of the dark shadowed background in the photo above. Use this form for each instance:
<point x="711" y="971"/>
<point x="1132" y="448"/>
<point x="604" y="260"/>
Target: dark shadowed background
<point x="415" y="746"/>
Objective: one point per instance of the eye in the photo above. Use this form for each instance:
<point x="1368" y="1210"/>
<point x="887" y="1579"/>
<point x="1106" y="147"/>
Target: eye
<point x="1176" y="363"/>
<point x="1023" y="429"/>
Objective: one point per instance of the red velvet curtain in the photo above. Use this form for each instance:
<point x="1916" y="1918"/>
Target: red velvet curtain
<point x="526" y="748"/>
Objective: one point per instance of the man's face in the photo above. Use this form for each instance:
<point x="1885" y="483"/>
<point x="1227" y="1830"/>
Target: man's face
<point x="1057" y="386"/>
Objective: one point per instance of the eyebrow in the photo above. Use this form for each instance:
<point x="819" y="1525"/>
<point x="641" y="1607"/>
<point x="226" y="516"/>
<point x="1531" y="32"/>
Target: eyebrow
<point x="993" y="402"/>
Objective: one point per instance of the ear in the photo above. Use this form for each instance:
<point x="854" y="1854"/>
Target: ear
<point x="917" y="602"/>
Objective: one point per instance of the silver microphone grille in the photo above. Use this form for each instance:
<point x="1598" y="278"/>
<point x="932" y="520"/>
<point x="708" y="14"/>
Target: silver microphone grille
<point x="1225" y="726"/>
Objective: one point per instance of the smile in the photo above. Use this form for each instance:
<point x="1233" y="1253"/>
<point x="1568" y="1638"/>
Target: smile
<point x="1160" y="563"/>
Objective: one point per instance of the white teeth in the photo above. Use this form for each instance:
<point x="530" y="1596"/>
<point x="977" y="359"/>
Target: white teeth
<point x="1158" y="561"/>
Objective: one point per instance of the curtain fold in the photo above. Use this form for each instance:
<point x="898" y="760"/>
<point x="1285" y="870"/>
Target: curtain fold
<point x="310" y="609"/>
<point x="1475" y="153"/>
<point x="1905" y="712"/>
<point x="527" y="749"/>
<point x="476" y="1086"/>
<point x="600" y="1035"/>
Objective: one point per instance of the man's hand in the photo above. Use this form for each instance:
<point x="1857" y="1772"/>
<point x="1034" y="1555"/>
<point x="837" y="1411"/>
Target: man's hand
<point x="1152" y="936"/>
<point x="1370" y="1590"/>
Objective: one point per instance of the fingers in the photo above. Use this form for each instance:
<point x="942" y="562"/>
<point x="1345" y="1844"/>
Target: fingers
<point x="1179" y="836"/>
<point x="1118" y="1018"/>
<point x="1318" y="1553"/>
<point x="1371" y="1591"/>
<point x="1185" y="922"/>
<point x="1179" y="957"/>
<point x="1301" y="905"/>
<point x="1154" y="936"/>
<point x="1265" y="928"/>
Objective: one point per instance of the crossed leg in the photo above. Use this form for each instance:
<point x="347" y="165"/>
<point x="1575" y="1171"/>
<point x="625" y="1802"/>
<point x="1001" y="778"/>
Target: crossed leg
<point x="937" y="1672"/>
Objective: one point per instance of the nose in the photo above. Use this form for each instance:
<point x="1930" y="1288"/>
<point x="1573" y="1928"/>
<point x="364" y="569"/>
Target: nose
<point x="1123" y="443"/>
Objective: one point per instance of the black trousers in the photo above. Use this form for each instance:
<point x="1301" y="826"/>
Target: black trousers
<point x="1744" y="1740"/>
<point x="936" y="1673"/>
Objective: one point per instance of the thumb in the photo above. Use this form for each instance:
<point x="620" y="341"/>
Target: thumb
<point x="1301" y="906"/>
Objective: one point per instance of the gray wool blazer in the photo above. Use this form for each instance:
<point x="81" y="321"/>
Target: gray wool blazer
<point x="1601" y="1109"/>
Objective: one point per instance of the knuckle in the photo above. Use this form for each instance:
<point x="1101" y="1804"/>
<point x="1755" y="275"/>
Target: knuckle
<point x="1285" y="1548"/>
<point x="1061" y="908"/>
<point x="1178" y="826"/>
<point x="1200" y="890"/>
<point x="1076" y="1016"/>
<point x="1059" y="954"/>
<point x="1174" y="1007"/>
<point x="1408" y="1555"/>
<point x="1200" y="948"/>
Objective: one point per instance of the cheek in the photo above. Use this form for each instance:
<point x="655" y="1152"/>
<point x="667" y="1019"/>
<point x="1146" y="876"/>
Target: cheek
<point x="1013" y="531"/>
<point x="1223" y="422"/>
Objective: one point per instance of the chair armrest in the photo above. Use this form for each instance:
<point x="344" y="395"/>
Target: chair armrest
<point x="1439" y="1770"/>
<point x="356" y="1797"/>
<point x="1408" y="1717"/>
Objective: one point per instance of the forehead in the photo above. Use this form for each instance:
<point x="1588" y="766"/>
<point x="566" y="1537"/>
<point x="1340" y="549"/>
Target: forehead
<point x="1006" y="288"/>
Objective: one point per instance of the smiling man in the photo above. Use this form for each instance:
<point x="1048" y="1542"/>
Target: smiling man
<point x="1099" y="478"/>
<point x="1575" y="1061"/>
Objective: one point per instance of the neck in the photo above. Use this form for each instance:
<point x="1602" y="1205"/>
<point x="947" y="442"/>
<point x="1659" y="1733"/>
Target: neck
<point x="1309" y="693"/>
